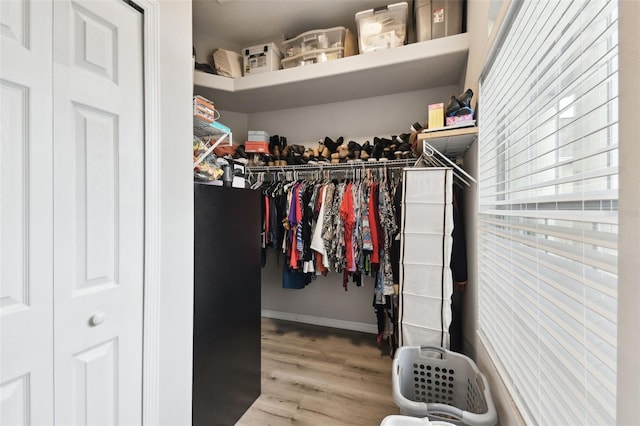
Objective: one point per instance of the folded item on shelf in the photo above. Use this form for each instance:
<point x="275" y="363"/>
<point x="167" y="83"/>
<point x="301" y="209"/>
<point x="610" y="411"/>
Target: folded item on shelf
<point x="227" y="63"/>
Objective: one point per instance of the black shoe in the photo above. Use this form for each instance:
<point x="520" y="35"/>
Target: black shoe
<point x="329" y="143"/>
<point x="354" y="149"/>
<point x="274" y="141"/>
<point x="403" y="137"/>
<point x="404" y="146"/>
<point x="378" y="147"/>
<point x="452" y="107"/>
<point x="416" y="127"/>
<point x="465" y="99"/>
<point x="367" y="147"/>
<point x="240" y="152"/>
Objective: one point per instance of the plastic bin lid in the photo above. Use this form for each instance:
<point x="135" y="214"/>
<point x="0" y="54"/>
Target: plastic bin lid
<point x="313" y="32"/>
<point x="403" y="5"/>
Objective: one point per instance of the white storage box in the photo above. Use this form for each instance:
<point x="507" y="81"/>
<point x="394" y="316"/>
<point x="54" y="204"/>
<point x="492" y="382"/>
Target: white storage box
<point x="262" y="58"/>
<point x="313" y="57"/>
<point x="433" y="382"/>
<point x="382" y="27"/>
<point x="258" y="136"/>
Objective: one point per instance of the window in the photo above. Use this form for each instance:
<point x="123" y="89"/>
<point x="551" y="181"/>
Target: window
<point x="548" y="191"/>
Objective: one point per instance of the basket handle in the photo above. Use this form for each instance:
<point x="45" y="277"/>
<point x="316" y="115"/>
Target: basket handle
<point x="445" y="411"/>
<point x="438" y="349"/>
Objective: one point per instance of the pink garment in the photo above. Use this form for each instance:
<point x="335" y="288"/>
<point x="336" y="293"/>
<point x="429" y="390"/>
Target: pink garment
<point x="349" y="220"/>
<point x="374" y="223"/>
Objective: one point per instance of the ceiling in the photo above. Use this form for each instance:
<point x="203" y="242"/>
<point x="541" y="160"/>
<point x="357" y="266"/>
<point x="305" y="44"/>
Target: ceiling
<point x="246" y="21"/>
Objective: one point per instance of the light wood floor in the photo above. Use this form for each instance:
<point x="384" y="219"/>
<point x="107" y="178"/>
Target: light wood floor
<point x="321" y="376"/>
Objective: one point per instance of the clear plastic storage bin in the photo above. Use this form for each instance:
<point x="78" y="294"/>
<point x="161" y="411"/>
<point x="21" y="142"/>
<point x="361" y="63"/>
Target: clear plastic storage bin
<point x="442" y="385"/>
<point x="313" y="57"/>
<point x="314" y="40"/>
<point x="382" y="27"/>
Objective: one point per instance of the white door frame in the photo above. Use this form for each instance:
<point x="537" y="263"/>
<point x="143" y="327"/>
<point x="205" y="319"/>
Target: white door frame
<point x="152" y="219"/>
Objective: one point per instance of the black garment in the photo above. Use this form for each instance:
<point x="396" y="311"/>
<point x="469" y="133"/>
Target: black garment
<point x="293" y="279"/>
<point x="459" y="275"/>
<point x="456" y="334"/>
<point x="459" y="246"/>
<point x="395" y="242"/>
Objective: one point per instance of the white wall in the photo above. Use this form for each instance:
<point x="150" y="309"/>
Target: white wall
<point x="205" y="45"/>
<point x="238" y="123"/>
<point x="176" y="274"/>
<point x="356" y="119"/>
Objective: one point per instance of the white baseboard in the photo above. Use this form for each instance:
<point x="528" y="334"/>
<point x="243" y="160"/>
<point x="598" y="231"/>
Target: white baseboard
<point x="325" y="322"/>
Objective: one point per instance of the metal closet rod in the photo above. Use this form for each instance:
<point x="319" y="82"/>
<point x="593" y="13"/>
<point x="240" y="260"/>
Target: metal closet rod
<point x="334" y="166"/>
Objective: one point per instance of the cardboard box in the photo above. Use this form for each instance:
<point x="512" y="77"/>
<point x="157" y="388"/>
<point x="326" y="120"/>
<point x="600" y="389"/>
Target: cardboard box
<point x="256" y="147"/>
<point x="436" y="116"/>
<point x="467" y="118"/>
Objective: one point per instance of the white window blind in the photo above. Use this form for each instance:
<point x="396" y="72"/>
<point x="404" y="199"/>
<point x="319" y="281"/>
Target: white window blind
<point x="548" y="191"/>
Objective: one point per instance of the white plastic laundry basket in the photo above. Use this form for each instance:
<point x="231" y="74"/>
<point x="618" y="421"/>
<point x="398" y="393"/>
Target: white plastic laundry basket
<point x="442" y="385"/>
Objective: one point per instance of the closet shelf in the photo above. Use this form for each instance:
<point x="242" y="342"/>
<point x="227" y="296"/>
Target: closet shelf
<point x="416" y="66"/>
<point x="453" y="143"/>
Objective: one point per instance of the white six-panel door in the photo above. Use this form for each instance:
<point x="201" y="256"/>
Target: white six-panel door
<point x="72" y="212"/>
<point x="98" y="212"/>
<point x="26" y="215"/>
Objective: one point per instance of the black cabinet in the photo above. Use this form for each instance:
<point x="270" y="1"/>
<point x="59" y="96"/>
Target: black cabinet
<point x="226" y="328"/>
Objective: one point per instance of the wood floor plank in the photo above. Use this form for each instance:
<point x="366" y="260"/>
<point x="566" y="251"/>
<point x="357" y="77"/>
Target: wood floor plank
<point x="315" y="375"/>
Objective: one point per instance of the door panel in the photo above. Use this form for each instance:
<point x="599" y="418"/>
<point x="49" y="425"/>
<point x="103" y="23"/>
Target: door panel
<point x="98" y="209"/>
<point x="26" y="215"/>
<point x="95" y="374"/>
<point x="96" y="150"/>
<point x="15" y="401"/>
<point x="14" y="22"/>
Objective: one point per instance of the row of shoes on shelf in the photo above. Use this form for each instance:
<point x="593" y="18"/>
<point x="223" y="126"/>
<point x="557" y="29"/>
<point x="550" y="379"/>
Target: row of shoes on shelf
<point x="329" y="151"/>
<point x="394" y="147"/>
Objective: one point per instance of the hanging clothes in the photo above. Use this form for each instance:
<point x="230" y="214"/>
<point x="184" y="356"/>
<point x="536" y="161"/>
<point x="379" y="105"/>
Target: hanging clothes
<point x="459" y="274"/>
<point x="343" y="226"/>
